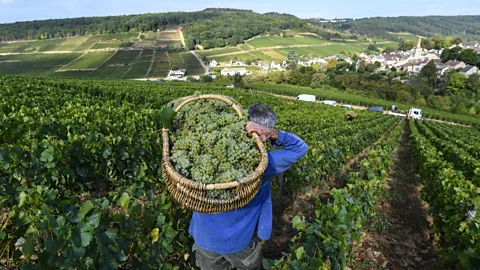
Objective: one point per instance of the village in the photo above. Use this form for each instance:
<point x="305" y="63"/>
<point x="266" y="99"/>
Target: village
<point x="411" y="61"/>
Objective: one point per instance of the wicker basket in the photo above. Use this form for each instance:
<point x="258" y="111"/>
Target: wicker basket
<point x="192" y="194"/>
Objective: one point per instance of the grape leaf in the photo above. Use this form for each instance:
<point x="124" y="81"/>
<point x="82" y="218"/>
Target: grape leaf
<point x="167" y="115"/>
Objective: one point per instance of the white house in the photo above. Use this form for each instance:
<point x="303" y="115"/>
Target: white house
<point x="176" y="75"/>
<point x="455" y="64"/>
<point x="316" y="60"/>
<point x="469" y="70"/>
<point x="390" y="59"/>
<point x="213" y="63"/>
<point x="233" y="71"/>
<point x="276" y="65"/>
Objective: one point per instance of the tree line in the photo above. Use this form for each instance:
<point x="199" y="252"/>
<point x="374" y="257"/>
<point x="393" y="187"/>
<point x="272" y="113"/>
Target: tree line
<point x="468" y="27"/>
<point x="208" y="28"/>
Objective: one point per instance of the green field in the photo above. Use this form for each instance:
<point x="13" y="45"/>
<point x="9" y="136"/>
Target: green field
<point x="122" y="57"/>
<point x="244" y="47"/>
<point x="207" y="53"/>
<point x="161" y="56"/>
<point x="34" y="64"/>
<point x="228" y="58"/>
<point x="125" y="64"/>
<point x="90" y="60"/>
<point x="161" y="65"/>
<point x="193" y="66"/>
<point x="147" y="52"/>
<point x="249" y="68"/>
<point x="126" y="37"/>
<point x="112" y="45"/>
<point x="272" y="41"/>
<point x="119" y="72"/>
<point x="323" y="51"/>
<point x="138" y="70"/>
<point x="71" y="74"/>
<point x="175" y="57"/>
<point x="68" y="44"/>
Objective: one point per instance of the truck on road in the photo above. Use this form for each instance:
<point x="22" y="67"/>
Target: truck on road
<point x="414" y="113"/>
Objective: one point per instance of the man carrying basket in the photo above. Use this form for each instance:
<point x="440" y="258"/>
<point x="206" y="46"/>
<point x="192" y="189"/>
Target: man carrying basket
<point x="227" y="238"/>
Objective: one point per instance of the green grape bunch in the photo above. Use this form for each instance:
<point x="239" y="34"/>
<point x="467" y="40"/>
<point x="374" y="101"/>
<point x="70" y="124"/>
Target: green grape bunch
<point x="210" y="145"/>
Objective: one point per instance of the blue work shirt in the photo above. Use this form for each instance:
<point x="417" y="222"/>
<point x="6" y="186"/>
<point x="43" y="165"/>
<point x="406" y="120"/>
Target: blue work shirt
<point x="232" y="231"/>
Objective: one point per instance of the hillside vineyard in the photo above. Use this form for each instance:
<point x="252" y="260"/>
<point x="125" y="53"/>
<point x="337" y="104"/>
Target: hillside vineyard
<point x="81" y="183"/>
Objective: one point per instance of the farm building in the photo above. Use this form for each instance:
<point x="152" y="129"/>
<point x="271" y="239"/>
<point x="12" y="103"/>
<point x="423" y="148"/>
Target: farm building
<point x="176" y="75"/>
<point x="233" y="71"/>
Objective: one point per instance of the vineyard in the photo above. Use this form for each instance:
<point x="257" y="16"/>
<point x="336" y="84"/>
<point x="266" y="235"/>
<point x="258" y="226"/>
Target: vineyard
<point x="81" y="184"/>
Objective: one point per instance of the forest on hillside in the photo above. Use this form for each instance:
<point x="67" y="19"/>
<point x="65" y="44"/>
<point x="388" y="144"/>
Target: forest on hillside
<point x="209" y="28"/>
<point x="468" y="27"/>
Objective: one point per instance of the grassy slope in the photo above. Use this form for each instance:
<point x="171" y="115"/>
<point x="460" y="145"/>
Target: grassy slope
<point x="90" y="60"/>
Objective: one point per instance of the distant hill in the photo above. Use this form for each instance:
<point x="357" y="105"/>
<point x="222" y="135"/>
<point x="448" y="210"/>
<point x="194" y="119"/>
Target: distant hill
<point x="209" y="28"/>
<point x="219" y="27"/>
<point x="468" y="27"/>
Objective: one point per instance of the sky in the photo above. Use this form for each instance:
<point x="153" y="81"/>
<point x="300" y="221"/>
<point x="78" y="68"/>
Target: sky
<point x="28" y="10"/>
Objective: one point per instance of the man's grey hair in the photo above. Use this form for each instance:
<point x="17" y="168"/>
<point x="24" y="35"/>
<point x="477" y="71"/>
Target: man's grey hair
<point x="262" y="114"/>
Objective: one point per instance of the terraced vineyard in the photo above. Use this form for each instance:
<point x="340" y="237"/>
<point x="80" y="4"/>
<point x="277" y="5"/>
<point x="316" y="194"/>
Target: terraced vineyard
<point x="81" y="184"/>
<point x="112" y="56"/>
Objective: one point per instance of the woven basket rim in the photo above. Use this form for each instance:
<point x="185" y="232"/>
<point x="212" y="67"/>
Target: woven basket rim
<point x="255" y="176"/>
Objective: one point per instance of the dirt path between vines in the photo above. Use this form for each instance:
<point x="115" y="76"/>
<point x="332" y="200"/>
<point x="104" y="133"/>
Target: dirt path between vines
<point x="399" y="236"/>
<point x="285" y="208"/>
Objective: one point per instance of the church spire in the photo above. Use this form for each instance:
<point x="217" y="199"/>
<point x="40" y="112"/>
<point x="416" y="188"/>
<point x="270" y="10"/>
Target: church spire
<point x="419" y="45"/>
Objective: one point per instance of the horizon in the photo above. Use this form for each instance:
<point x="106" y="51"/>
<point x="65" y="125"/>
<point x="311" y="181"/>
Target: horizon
<point x="12" y="11"/>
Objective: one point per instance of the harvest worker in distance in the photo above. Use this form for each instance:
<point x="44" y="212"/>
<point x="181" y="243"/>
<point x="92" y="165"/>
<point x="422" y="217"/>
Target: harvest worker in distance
<point x="229" y="237"/>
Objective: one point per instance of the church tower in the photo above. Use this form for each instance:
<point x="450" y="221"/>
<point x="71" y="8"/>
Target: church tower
<point x="418" y="50"/>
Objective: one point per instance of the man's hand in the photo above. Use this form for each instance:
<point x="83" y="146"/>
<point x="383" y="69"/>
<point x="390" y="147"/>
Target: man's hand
<point x="265" y="133"/>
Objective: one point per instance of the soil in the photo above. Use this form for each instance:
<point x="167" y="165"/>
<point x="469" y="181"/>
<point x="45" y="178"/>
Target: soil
<point x="399" y="237"/>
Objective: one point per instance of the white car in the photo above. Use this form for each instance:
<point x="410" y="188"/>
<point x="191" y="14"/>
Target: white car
<point x="330" y="102"/>
<point x="231" y="86"/>
<point x="346" y="106"/>
<point x="306" y="97"/>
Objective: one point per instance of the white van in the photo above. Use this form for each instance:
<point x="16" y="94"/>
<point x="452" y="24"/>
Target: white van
<point x="306" y="97"/>
<point x="415" y="113"/>
<point x="330" y="102"/>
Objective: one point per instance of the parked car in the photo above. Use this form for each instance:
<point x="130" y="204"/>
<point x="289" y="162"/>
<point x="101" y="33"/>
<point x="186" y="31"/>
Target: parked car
<point x="415" y="113"/>
<point x="306" y="97"/>
<point x="346" y="106"/>
<point x="375" y="109"/>
<point x="330" y="102"/>
<point x="231" y="86"/>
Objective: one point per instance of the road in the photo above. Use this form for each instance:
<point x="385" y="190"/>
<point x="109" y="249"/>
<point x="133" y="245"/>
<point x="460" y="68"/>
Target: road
<point x="359" y="108"/>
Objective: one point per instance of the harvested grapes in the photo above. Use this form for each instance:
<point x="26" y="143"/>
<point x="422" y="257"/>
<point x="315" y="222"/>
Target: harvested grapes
<point x="210" y="145"/>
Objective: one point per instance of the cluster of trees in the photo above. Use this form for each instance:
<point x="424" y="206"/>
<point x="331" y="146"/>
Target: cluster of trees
<point x="468" y="56"/>
<point x="223" y="29"/>
<point x="437" y="42"/>
<point x="468" y="27"/>
<point x="208" y="28"/>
